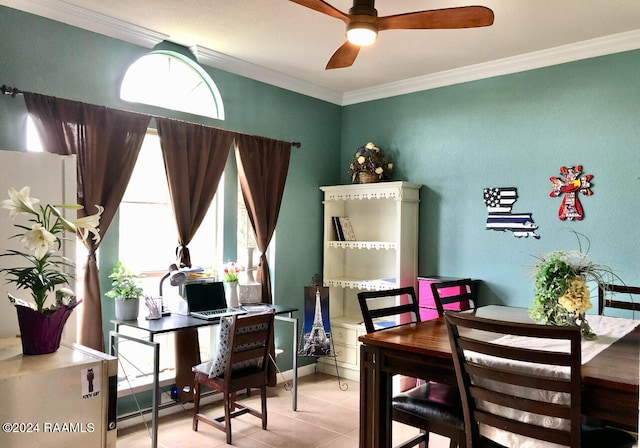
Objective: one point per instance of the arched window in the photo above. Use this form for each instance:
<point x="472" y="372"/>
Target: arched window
<point x="172" y="79"/>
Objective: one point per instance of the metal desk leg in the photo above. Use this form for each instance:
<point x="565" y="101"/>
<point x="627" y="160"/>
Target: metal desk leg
<point x="294" y="387"/>
<point x="155" y="402"/>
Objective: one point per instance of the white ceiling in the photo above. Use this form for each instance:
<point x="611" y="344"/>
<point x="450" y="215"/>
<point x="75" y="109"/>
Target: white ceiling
<point x="285" y="44"/>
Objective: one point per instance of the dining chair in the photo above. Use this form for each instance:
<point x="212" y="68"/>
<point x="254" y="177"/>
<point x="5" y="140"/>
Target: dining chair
<point x="511" y="380"/>
<point x="604" y="302"/>
<point x="430" y="407"/>
<point x="240" y="363"/>
<point x="464" y="296"/>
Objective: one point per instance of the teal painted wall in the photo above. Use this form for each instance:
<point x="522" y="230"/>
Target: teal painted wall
<point x="51" y="58"/>
<point x="509" y="131"/>
<point x="515" y="131"/>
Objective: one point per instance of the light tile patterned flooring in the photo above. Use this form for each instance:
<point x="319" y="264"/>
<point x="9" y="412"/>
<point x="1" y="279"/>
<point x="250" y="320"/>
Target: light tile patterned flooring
<point x="327" y="417"/>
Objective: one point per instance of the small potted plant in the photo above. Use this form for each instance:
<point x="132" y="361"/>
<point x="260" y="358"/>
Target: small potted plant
<point x="125" y="291"/>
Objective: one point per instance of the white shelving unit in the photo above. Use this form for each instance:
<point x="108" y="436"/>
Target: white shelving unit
<point x="384" y="256"/>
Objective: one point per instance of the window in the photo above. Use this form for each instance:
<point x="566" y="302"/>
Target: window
<point x="147" y="242"/>
<point x="148" y="234"/>
<point x="172" y="80"/>
<point x="246" y="235"/>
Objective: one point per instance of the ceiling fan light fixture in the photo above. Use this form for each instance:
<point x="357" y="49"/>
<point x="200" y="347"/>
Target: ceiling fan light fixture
<point x="362" y="34"/>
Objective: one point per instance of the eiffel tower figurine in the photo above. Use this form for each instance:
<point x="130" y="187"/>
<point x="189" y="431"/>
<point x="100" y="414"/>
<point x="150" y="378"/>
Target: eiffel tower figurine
<point x="317" y="342"/>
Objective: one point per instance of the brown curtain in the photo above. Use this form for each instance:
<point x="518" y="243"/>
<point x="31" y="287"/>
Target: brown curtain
<point x="194" y="159"/>
<point x="262" y="168"/>
<point x="106" y="143"/>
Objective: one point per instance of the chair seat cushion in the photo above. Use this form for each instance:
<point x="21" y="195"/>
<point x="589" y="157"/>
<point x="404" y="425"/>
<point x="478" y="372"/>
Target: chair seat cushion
<point x="432" y="401"/>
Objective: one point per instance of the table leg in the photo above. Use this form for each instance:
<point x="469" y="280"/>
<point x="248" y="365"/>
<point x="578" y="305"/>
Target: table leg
<point x="155" y="400"/>
<point x="375" y="400"/>
<point x="294" y="381"/>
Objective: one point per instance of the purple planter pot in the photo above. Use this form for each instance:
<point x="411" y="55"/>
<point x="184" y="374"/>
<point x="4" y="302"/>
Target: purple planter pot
<point x="41" y="332"/>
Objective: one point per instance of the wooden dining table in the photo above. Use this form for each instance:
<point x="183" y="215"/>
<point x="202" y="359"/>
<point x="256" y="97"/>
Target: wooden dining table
<point x="422" y="350"/>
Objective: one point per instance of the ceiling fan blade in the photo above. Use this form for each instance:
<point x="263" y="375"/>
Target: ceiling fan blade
<point x="449" y="18"/>
<point x="324" y="8"/>
<point x="344" y="56"/>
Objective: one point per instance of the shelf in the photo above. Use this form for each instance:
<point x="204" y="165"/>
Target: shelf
<point x="404" y="191"/>
<point x="358" y="283"/>
<point x="388" y="245"/>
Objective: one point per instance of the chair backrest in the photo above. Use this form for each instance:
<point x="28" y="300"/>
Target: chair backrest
<point x="466" y="297"/>
<point x="629" y="291"/>
<point x="250" y="342"/>
<point x="400" y="304"/>
<point x="515" y="384"/>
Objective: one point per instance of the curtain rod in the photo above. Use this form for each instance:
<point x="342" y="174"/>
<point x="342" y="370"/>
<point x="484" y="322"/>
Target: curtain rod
<point x="6" y="90"/>
<point x="14" y="91"/>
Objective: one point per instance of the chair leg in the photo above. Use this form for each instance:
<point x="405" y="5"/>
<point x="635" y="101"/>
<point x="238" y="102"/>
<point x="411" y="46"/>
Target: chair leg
<point x="263" y="399"/>
<point x="228" y="403"/>
<point x="196" y="405"/>
<point x="424" y="444"/>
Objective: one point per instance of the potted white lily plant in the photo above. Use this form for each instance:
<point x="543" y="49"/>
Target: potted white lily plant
<point x="44" y="270"/>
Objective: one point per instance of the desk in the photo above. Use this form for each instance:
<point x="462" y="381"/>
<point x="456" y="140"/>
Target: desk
<point x="422" y="350"/>
<point x="179" y="322"/>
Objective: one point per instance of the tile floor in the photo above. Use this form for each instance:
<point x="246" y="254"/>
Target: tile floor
<point x="327" y="417"/>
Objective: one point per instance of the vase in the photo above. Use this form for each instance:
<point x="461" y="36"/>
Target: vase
<point x="41" y="333"/>
<point x="127" y="309"/>
<point x="231" y="293"/>
<point x="365" y="177"/>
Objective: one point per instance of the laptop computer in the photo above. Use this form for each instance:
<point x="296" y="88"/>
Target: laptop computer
<point x="207" y="301"/>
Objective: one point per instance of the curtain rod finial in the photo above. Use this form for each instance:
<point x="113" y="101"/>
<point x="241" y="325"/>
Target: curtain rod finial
<point x="6" y="90"/>
<point x="296" y="144"/>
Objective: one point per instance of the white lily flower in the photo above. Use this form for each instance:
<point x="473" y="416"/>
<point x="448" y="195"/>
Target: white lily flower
<point x="39" y="240"/>
<point x="370" y="145"/>
<point x="89" y="224"/>
<point x="19" y="202"/>
<point x="361" y="160"/>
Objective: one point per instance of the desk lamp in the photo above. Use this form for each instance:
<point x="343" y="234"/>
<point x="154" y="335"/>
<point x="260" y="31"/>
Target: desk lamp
<point x="176" y="277"/>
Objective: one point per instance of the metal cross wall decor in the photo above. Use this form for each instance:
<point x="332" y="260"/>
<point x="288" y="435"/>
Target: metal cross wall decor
<point x="570" y="185"/>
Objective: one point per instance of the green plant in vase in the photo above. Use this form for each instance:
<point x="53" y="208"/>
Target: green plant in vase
<point x="561" y="295"/>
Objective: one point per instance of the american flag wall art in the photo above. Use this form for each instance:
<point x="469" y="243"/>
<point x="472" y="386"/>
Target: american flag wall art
<point x="499" y="202"/>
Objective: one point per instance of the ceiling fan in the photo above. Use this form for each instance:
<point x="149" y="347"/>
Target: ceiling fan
<point x="363" y="24"/>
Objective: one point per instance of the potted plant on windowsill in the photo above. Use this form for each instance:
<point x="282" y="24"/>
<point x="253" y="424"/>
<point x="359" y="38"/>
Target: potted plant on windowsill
<point x="45" y="269"/>
<point x="125" y="291"/>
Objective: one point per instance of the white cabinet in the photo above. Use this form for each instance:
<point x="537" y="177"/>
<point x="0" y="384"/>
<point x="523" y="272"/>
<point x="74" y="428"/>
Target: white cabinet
<point x="384" y="255"/>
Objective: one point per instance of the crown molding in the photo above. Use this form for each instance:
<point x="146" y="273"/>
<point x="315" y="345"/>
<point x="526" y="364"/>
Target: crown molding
<point x="99" y="23"/>
<point x="616" y="43"/>
<point x="236" y="66"/>
<point x="88" y="20"/>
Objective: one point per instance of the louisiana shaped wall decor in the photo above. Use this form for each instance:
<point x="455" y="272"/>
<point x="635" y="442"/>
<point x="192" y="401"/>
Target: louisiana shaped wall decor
<point x="499" y="202"/>
<point x="570" y="184"/>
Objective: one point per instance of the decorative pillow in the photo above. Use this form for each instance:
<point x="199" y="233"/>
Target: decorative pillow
<point x="219" y="363"/>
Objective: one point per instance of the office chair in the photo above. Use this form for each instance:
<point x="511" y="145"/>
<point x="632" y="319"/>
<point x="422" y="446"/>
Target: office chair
<point x="243" y="365"/>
